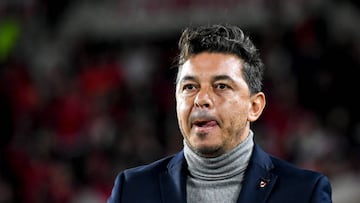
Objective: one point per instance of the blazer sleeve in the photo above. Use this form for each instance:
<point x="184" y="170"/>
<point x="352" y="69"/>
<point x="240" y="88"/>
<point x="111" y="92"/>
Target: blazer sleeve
<point x="322" y="191"/>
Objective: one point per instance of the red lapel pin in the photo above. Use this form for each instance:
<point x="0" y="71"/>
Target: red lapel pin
<point x="263" y="182"/>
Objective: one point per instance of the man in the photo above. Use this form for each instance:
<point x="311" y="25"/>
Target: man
<point x="218" y="95"/>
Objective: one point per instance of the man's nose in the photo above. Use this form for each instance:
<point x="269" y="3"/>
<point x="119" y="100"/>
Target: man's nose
<point x="203" y="99"/>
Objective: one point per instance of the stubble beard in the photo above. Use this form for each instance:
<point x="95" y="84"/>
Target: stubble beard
<point x="207" y="151"/>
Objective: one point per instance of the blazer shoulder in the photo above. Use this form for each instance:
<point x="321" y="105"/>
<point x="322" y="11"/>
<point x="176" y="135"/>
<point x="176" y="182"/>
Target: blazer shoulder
<point x="314" y="185"/>
<point x="156" y="167"/>
<point x="290" y="171"/>
<point x="287" y="173"/>
<point x="148" y="183"/>
<point x="144" y="180"/>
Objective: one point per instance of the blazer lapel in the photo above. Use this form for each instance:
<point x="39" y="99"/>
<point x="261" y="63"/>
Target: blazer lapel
<point x="173" y="181"/>
<point x="258" y="181"/>
<point x="257" y="184"/>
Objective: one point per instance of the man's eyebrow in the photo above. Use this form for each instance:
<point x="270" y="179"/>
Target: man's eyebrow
<point x="215" y="78"/>
<point x="187" y="77"/>
<point x="222" y="77"/>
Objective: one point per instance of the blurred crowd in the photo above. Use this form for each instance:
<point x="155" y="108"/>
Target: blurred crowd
<point x="79" y="106"/>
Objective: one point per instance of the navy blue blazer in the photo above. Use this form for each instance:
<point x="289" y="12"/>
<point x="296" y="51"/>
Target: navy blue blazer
<point x="267" y="179"/>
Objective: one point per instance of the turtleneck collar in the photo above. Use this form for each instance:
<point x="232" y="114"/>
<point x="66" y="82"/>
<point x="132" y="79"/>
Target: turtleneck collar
<point x="221" y="167"/>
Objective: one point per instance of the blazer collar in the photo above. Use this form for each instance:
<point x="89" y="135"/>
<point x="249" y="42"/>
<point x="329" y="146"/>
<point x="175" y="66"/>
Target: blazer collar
<point x="257" y="184"/>
<point x="258" y="180"/>
<point x="173" y="180"/>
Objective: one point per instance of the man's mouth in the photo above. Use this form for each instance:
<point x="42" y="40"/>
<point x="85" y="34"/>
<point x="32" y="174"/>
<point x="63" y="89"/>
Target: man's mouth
<point x="205" y="123"/>
<point x="203" y="120"/>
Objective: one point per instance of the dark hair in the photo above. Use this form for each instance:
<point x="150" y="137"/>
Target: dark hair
<point x="229" y="39"/>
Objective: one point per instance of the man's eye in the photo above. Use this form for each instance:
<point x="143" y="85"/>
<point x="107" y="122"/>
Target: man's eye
<point x="221" y="86"/>
<point x="189" y="87"/>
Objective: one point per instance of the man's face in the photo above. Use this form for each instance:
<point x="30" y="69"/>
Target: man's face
<point x="213" y="103"/>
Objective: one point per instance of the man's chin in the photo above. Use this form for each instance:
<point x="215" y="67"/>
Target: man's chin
<point x="208" y="151"/>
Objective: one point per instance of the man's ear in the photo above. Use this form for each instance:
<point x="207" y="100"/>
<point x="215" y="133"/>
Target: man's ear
<point x="257" y="105"/>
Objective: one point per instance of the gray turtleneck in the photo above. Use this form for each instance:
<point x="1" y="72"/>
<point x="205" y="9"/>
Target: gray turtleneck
<point x="218" y="179"/>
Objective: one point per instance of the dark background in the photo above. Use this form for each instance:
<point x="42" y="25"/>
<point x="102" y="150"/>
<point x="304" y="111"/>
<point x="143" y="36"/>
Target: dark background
<point x="87" y="89"/>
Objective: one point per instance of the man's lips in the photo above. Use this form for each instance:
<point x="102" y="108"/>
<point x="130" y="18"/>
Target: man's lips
<point x="203" y="119"/>
<point x="205" y="123"/>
